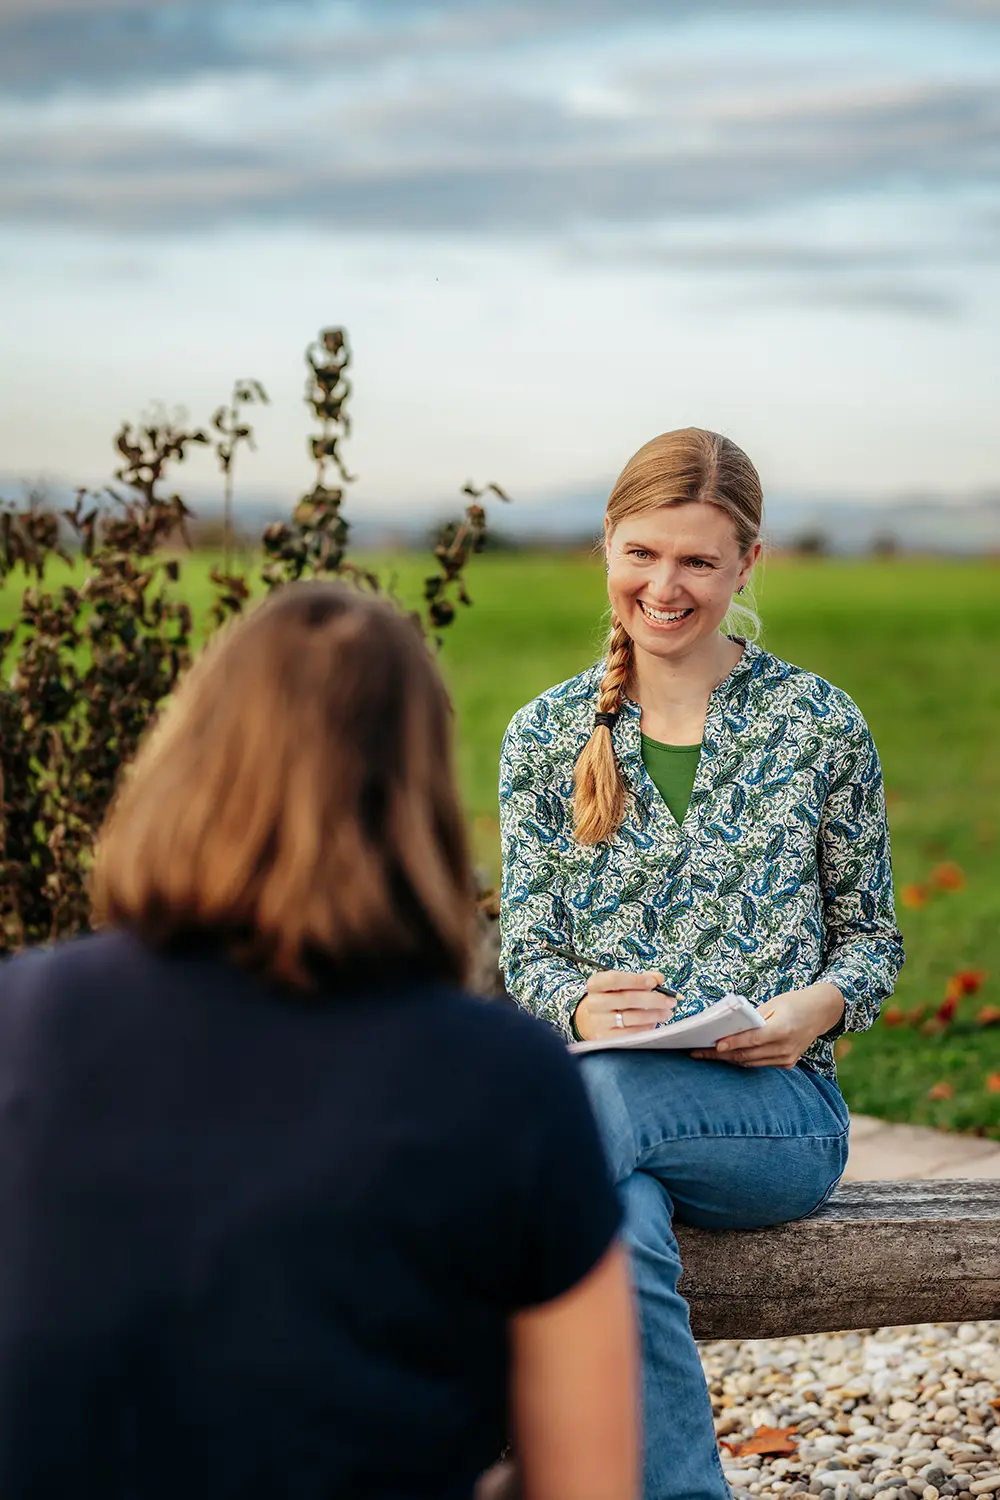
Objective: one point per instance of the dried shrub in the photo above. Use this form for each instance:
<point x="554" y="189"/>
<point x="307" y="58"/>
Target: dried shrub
<point x="85" y="665"/>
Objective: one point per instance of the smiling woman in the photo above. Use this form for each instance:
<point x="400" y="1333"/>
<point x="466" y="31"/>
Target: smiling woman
<point x="693" y="814"/>
<point x="673" y="568"/>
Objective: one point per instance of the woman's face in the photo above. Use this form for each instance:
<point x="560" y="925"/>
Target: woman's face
<point x="672" y="573"/>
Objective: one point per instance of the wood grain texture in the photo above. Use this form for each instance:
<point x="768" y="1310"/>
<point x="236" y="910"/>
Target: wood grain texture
<point x="878" y="1254"/>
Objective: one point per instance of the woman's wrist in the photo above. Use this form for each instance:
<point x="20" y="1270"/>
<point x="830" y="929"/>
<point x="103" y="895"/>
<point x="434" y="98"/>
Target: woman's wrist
<point x="577" y="1034"/>
<point x="829" y="1005"/>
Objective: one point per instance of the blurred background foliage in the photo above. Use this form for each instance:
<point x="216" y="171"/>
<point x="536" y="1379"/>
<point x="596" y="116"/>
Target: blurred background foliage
<point x="97" y="616"/>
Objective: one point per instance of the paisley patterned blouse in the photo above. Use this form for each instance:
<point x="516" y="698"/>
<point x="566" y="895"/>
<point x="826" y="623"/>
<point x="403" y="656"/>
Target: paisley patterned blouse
<point x="779" y="875"/>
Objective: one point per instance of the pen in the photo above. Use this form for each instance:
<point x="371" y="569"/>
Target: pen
<point x="590" y="963"/>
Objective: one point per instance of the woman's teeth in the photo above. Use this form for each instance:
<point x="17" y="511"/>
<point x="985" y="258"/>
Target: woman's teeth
<point x="663" y="615"/>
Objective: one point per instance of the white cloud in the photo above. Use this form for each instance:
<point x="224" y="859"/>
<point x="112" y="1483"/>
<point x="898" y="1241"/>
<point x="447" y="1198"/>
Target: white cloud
<point x="552" y="229"/>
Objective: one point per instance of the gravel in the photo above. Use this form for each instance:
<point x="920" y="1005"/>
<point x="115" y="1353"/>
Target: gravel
<point x="897" y="1413"/>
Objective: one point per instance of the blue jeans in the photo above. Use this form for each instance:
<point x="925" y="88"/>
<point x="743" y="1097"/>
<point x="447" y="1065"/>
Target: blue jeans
<point x="722" y="1147"/>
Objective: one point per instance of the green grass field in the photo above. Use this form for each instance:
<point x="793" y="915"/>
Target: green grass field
<point x="917" y="643"/>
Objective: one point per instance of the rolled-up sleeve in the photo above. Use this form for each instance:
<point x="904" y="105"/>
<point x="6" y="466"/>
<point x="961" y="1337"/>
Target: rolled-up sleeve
<point x="863" y="949"/>
<point x="533" y="916"/>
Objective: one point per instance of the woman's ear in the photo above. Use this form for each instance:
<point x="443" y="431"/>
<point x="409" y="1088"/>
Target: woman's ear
<point x="747" y="566"/>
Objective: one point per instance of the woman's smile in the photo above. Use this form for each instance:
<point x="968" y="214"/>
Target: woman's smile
<point x="663" y="619"/>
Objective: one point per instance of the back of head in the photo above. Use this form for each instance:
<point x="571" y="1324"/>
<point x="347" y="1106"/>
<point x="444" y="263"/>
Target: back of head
<point x="689" y="466"/>
<point x="295" y="806"/>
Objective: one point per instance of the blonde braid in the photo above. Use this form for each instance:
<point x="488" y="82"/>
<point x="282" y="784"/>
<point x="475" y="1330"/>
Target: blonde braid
<point x="598" y="785"/>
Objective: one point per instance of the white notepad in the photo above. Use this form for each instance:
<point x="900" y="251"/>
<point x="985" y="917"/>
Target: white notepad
<point x="727" y="1016"/>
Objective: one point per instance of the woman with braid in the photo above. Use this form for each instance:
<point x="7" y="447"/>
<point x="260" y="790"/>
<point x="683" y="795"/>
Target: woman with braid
<point x="695" y="814"/>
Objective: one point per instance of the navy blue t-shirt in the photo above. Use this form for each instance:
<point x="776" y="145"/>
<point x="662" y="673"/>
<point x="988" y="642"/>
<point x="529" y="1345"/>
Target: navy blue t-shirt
<point x="253" y="1246"/>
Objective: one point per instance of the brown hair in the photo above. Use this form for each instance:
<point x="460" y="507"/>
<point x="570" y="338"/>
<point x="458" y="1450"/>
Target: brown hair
<point x="295" y="806"/>
<point x="685" y="467"/>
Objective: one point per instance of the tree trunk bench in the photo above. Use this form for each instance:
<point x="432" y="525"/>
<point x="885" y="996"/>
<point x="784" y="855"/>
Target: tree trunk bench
<point x="879" y="1254"/>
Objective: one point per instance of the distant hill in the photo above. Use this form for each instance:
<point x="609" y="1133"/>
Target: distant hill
<point x="910" y="524"/>
<point x="964" y="525"/>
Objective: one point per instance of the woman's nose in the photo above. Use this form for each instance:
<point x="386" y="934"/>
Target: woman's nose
<point x="666" y="579"/>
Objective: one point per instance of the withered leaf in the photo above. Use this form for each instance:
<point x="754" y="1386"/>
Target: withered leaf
<point x="769" y="1442"/>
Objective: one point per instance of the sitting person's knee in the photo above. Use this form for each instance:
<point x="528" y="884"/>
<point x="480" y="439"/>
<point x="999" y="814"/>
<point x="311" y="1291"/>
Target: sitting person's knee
<point x="601" y="1077"/>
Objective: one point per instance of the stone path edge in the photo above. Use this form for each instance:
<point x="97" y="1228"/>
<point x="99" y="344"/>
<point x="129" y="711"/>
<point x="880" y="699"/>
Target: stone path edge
<point x="882" y="1152"/>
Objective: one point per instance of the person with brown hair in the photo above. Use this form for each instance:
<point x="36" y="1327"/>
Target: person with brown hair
<point x="283" y="1211"/>
<point x="693" y="817"/>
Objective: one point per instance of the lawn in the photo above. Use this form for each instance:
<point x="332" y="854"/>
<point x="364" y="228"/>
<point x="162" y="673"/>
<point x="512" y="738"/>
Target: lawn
<point x="917" y="643"/>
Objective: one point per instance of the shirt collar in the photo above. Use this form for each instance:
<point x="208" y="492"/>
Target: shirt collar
<point x="748" y="664"/>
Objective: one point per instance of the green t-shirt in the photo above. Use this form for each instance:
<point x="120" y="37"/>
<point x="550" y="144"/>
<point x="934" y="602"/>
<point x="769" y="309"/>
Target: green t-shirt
<point x="672" y="769"/>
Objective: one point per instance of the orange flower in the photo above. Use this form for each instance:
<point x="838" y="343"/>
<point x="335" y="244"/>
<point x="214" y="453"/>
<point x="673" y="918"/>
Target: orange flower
<point x="842" y="1047"/>
<point x="948" y="877"/>
<point x="941" y="1090"/>
<point x="914" y="896"/>
<point x="965" y="982"/>
<point x="915" y="1016"/>
<point x="988" y="1016"/>
<point x="893" y="1016"/>
<point x="993" y="1086"/>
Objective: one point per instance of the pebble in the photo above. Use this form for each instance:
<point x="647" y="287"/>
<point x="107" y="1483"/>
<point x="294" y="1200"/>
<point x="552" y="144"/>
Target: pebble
<point x="891" y="1414"/>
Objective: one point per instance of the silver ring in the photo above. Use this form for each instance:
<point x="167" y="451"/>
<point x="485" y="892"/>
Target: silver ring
<point x="619" y="1019"/>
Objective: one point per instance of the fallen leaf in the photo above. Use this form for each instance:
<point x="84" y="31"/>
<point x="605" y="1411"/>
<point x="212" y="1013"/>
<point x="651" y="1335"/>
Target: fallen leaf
<point x="993" y="1087"/>
<point x="769" y="1442"/>
<point x="948" y="877"/>
<point x="995" y="1403"/>
<point x="941" y="1090"/>
<point x="988" y="1016"/>
<point x="913" y="896"/>
<point x="893" y="1016"/>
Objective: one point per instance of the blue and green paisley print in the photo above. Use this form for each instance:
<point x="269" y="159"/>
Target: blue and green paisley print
<point x="778" y="876"/>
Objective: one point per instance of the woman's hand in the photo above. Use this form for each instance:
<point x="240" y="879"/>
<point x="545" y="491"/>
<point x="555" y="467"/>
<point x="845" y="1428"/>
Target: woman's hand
<point x="792" y="1023"/>
<point x="614" y="993"/>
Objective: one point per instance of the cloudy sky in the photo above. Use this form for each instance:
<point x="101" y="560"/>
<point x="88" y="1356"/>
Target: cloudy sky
<point x="552" y="229"/>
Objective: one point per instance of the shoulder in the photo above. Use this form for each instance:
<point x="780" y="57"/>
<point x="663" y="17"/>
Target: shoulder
<point x="820" y="706"/>
<point x="518" y="1113"/>
<point x="41" y="989"/>
<point x="560" y="713"/>
<point x="512" y="1062"/>
<point x="501" y="1030"/>
<point x="53" y="971"/>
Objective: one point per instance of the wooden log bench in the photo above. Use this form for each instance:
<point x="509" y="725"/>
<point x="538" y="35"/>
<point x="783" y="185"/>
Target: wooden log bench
<point x="879" y="1254"/>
